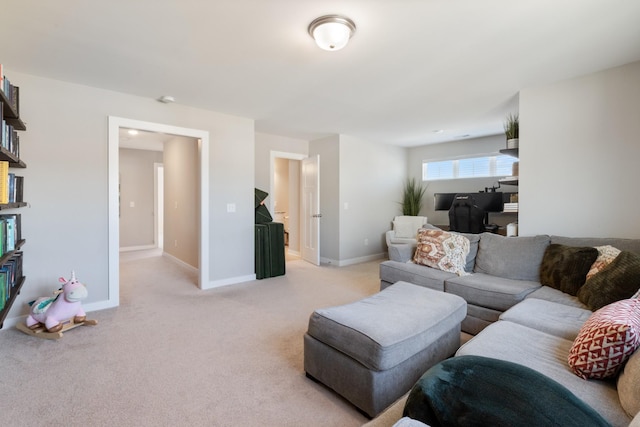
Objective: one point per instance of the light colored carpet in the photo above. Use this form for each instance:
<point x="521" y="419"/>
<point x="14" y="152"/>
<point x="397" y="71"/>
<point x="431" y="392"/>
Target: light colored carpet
<point x="173" y="355"/>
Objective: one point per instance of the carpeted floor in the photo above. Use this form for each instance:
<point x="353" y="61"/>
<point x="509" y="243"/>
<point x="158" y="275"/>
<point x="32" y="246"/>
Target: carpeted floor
<point x="173" y="355"/>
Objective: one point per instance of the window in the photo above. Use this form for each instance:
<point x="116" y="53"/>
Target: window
<point x="472" y="167"/>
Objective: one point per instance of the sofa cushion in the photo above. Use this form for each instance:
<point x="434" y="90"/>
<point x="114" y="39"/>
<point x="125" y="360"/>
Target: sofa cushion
<point x="474" y="240"/>
<point x="475" y="390"/>
<point x="629" y="385"/>
<point x="619" y="280"/>
<point x="394" y="271"/>
<point x="606" y="340"/>
<point x="632" y="245"/>
<point x="606" y="254"/>
<point x="548" y="293"/>
<point x="511" y="257"/>
<point x="566" y="267"/>
<point x="488" y="291"/>
<point x="546" y="354"/>
<point x="405" y="230"/>
<point x="442" y="250"/>
<point x="550" y="317"/>
<point x="407" y="226"/>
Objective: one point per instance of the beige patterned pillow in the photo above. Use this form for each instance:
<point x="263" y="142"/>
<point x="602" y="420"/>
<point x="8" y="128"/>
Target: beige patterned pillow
<point x="629" y="385"/>
<point x="606" y="254"/>
<point x="442" y="250"/>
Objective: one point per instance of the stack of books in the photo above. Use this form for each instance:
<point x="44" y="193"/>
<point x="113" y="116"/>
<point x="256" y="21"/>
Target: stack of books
<point x="11" y="186"/>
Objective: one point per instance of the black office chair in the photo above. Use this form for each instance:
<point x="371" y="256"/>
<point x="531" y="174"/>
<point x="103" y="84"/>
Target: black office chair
<point x="465" y="216"/>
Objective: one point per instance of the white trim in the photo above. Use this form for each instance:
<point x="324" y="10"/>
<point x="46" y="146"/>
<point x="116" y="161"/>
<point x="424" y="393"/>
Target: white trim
<point x="230" y="281"/>
<point x="158" y="189"/>
<point x="179" y="262"/>
<point x="114" y="125"/>
<point x="10" y="323"/>
<point x="137" y="248"/>
<point x="351" y="261"/>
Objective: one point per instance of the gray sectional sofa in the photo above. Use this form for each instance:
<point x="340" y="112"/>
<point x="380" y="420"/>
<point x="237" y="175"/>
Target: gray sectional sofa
<point x="505" y="271"/>
<point x="517" y="319"/>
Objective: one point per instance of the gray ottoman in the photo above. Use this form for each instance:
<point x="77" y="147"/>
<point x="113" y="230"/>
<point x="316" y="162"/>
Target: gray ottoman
<point x="374" y="350"/>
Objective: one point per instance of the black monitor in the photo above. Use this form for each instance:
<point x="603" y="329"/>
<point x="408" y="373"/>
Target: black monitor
<point x="443" y="201"/>
<point x="489" y="202"/>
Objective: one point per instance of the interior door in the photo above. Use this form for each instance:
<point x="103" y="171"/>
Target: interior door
<point x="311" y="209"/>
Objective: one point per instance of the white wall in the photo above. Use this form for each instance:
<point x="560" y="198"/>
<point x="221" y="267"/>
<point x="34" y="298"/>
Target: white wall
<point x="489" y="145"/>
<point x="65" y="148"/>
<point x="579" y="151"/>
<point x="137" y="187"/>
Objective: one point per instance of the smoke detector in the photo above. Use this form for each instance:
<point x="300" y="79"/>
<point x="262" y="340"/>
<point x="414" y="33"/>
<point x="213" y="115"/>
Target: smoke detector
<point x="166" y="99"/>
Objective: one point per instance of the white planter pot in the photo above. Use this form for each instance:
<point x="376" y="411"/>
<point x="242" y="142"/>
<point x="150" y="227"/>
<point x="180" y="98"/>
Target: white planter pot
<point x="512" y="143"/>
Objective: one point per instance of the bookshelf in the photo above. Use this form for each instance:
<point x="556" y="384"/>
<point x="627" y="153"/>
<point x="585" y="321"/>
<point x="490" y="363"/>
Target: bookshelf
<point x="11" y="198"/>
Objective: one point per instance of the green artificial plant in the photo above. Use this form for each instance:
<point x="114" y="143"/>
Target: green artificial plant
<point x="412" y="195"/>
<point x="512" y="126"/>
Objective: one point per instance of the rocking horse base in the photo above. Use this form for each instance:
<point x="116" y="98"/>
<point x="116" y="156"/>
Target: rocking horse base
<point x="41" y="331"/>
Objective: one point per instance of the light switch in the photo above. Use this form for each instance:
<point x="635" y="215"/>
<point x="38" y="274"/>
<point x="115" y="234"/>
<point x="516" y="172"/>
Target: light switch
<point x="132" y="204"/>
<point x="231" y="207"/>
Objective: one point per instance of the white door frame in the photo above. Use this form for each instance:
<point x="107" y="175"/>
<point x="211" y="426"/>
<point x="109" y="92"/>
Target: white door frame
<point x="114" y="125"/>
<point x="158" y="205"/>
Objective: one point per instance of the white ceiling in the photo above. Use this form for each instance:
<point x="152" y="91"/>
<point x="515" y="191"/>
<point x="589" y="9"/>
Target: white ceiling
<point x="413" y="66"/>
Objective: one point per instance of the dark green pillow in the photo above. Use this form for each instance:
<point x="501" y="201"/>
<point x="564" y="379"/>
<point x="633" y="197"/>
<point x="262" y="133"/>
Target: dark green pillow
<point x="566" y="267"/>
<point x="480" y="391"/>
<point x="619" y="280"/>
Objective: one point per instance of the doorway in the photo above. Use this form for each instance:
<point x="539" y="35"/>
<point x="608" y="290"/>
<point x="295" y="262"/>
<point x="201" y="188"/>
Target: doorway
<point x="302" y="230"/>
<point x="114" y="125"/>
<point x="284" y="202"/>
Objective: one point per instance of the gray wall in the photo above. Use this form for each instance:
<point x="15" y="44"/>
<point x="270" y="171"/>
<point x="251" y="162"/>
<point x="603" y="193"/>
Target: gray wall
<point x="329" y="151"/>
<point x="137" y="186"/>
<point x="66" y="182"/>
<point x="181" y="199"/>
<point x="360" y="183"/>
<point x="489" y="145"/>
<point x="264" y="145"/>
<point x="579" y="150"/>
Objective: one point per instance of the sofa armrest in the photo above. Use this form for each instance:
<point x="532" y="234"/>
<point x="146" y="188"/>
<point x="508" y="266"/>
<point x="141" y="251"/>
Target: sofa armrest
<point x="401" y="252"/>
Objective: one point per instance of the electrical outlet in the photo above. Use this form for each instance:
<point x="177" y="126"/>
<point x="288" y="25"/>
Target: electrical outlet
<point x="175" y="243"/>
<point x="366" y="242"/>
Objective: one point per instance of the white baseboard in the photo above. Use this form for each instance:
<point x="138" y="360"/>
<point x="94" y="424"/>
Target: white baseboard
<point x="351" y="261"/>
<point x="137" y="248"/>
<point x="88" y="308"/>
<point x="180" y="262"/>
<point x="229" y="281"/>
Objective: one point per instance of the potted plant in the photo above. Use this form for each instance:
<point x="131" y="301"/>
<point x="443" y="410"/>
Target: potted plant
<point x="412" y="195"/>
<point x="512" y="130"/>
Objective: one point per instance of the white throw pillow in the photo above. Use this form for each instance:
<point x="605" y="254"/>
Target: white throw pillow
<point x="405" y="229"/>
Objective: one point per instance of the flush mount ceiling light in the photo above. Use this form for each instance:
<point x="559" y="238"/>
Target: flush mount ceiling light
<point x="332" y="32"/>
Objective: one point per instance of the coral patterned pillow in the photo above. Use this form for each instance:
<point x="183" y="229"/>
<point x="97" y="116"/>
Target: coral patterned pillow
<point x="606" y="340"/>
<point x="442" y="250"/>
<point x="606" y="254"/>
